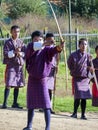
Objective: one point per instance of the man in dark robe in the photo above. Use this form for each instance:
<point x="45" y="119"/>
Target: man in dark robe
<point x="38" y="64"/>
<point x="79" y="65"/>
<point x="94" y="86"/>
<point x="50" y="41"/>
<point x="14" y="58"/>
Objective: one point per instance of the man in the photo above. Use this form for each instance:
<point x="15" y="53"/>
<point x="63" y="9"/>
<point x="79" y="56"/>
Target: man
<point x="94" y="87"/>
<point x="38" y="64"/>
<point x="79" y="65"/>
<point x="14" y="57"/>
<point x="49" y="41"/>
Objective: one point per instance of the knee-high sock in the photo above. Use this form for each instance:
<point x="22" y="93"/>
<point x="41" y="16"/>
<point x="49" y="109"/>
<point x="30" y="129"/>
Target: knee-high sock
<point x="6" y="94"/>
<point x="83" y="106"/>
<point x="47" y="115"/>
<point x="76" y="105"/>
<point x="30" y="118"/>
<point x="16" y="92"/>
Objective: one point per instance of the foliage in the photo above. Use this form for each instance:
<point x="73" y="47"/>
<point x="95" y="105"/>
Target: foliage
<point x="18" y="8"/>
<point x="2" y="10"/>
<point x="83" y="8"/>
<point x="1" y="13"/>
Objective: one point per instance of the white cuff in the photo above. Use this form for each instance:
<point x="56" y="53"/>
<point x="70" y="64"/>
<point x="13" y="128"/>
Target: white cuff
<point x="90" y="76"/>
<point x="22" y="54"/>
<point x="11" y="54"/>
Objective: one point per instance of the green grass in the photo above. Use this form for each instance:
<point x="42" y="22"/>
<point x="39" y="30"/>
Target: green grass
<point x="65" y="104"/>
<point x="63" y="100"/>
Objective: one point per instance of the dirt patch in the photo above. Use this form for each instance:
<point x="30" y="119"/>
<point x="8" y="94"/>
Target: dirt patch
<point x="14" y="119"/>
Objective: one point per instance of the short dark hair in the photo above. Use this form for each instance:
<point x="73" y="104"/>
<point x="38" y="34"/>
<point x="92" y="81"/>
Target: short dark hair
<point x="49" y="35"/>
<point x="36" y="33"/>
<point x="82" y="39"/>
<point x="96" y="48"/>
<point x="15" y="27"/>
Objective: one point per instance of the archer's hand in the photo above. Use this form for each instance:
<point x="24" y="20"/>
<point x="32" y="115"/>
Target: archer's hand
<point x="49" y="42"/>
<point x="17" y="52"/>
<point x="91" y="69"/>
<point x="61" y="46"/>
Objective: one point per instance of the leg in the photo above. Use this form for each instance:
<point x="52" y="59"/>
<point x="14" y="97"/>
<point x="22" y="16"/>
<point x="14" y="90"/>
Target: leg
<point x="76" y="105"/>
<point x="50" y="95"/>
<point x="47" y="114"/>
<point x="15" y="94"/>
<point x="29" y="119"/>
<point x="83" y="108"/>
<point x="6" y="94"/>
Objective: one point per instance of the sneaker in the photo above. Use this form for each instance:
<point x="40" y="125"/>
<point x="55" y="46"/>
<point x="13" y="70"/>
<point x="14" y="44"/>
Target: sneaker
<point x="17" y="106"/>
<point x="26" y="128"/>
<point x="83" y="117"/>
<point x="4" y="106"/>
<point x="74" y="115"/>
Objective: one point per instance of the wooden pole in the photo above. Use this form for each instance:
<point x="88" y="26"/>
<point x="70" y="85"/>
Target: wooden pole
<point x="92" y="65"/>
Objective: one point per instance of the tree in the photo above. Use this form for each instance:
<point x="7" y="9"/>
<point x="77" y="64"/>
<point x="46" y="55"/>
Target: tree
<point x="2" y="9"/>
<point x="18" y="8"/>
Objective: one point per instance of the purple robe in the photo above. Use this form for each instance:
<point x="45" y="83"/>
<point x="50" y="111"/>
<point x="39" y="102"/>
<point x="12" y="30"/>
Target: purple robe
<point x="51" y="77"/>
<point x="78" y="64"/>
<point x="95" y="63"/>
<point x="38" y="65"/>
<point x="94" y="88"/>
<point x="14" y="76"/>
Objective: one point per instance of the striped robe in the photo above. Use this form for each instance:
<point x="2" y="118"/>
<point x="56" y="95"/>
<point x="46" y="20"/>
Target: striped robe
<point x="78" y="64"/>
<point x="14" y="76"/>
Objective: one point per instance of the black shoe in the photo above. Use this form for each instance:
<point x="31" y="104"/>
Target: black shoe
<point x="52" y="112"/>
<point x="74" y="115"/>
<point x="83" y="118"/>
<point x="41" y="110"/>
<point x="4" y="106"/>
<point x="26" y="128"/>
<point x="16" y="105"/>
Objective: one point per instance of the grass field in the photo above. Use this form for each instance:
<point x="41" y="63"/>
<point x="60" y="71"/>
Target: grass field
<point x="63" y="98"/>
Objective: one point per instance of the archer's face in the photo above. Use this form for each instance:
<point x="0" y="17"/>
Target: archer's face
<point x="83" y="46"/>
<point x="15" y="33"/>
<point x="50" y="40"/>
<point x="97" y="53"/>
<point x="37" y="39"/>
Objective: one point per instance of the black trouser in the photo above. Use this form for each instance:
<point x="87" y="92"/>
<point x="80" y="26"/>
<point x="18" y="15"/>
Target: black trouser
<point x="15" y="94"/>
<point x="50" y="94"/>
<point x="83" y="106"/>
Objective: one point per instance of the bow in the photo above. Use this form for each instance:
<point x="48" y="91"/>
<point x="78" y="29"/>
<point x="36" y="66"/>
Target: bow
<point x="62" y="40"/>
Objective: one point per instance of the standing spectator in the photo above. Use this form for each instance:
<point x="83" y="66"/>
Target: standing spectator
<point x="14" y="57"/>
<point x="79" y="65"/>
<point x="49" y="41"/>
<point x="94" y="88"/>
<point x="38" y="64"/>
